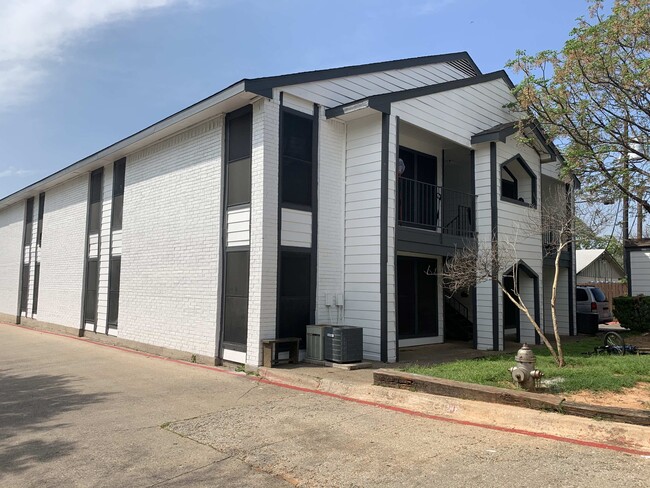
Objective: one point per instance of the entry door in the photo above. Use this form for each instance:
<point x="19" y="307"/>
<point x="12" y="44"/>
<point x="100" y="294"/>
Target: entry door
<point x="417" y="297"/>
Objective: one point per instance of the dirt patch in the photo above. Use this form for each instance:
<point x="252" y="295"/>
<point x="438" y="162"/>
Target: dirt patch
<point x="637" y="397"/>
<point x="639" y="341"/>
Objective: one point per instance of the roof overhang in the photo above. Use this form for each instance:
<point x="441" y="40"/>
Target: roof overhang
<point x="382" y="103"/>
<point x="502" y="131"/>
<point x="222" y="102"/>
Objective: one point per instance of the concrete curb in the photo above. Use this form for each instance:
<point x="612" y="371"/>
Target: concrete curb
<point x="508" y="418"/>
<point x="538" y="401"/>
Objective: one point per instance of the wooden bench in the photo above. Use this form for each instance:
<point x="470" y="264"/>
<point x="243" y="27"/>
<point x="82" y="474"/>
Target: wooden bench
<point x="270" y="350"/>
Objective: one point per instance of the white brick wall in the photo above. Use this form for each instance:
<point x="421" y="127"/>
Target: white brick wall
<point x="262" y="289"/>
<point x="62" y="253"/>
<point x="171" y="241"/>
<point x="32" y="260"/>
<point x="104" y="249"/>
<point x="11" y="240"/>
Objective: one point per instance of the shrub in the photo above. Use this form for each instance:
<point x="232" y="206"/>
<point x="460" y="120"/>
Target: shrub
<point x="633" y="312"/>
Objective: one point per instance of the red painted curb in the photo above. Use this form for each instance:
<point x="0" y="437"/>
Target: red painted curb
<point x="597" y="445"/>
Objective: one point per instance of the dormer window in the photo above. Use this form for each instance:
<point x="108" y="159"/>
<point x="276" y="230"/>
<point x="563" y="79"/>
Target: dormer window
<point x="518" y="182"/>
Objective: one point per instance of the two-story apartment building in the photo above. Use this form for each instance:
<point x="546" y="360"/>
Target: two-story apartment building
<point x="329" y="196"/>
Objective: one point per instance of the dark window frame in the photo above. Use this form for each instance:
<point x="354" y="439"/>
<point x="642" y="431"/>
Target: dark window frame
<point x="239" y="158"/>
<point x="29" y="222"/>
<point x="307" y="296"/>
<point x="117" y="204"/>
<point x="95" y="201"/>
<point x="113" y="291"/>
<point x="533" y="182"/>
<point x="41" y="213"/>
<point x="230" y="342"/>
<point x="307" y="203"/>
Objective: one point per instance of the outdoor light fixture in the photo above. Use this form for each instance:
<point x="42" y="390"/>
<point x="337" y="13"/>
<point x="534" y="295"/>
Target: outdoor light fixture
<point x="401" y="167"/>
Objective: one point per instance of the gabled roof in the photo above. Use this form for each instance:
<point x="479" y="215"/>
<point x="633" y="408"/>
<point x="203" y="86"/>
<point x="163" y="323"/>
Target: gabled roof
<point x="383" y="101"/>
<point x="501" y="132"/>
<point x="264" y="86"/>
<point x="584" y="257"/>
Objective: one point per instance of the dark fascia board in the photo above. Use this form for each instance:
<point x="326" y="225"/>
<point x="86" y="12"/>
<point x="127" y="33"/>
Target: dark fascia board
<point x="383" y="102"/>
<point x="197" y="107"/>
<point x="502" y="131"/>
<point x="264" y="86"/>
<point x="522" y="265"/>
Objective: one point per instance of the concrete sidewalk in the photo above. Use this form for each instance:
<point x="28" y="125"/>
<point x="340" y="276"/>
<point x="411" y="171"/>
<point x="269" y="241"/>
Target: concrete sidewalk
<point x="77" y="413"/>
<point x="358" y="384"/>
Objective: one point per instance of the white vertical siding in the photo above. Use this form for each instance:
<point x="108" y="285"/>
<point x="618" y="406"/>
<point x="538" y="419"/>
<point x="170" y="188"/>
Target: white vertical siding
<point x="362" y="230"/>
<point x="62" y="253"/>
<point x="297" y="103"/>
<point x="238" y="223"/>
<point x="520" y="233"/>
<point x="264" y="231"/>
<point x="331" y="225"/>
<point x="640" y="276"/>
<point x="332" y="92"/>
<point x="483" y="315"/>
<point x="11" y="243"/>
<point x="296" y="228"/>
<point x="391" y="272"/>
<point x="171" y="241"/>
<point x="458" y="114"/>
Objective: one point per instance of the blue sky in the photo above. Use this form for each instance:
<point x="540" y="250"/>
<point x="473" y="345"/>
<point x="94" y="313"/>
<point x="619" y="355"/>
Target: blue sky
<point x="78" y="75"/>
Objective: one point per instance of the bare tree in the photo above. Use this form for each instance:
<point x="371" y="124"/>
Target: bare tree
<point x="495" y="261"/>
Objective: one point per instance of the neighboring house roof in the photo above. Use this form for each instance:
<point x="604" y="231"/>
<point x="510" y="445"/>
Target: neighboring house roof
<point x="584" y="257"/>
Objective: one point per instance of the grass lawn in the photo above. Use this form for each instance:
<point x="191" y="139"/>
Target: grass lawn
<point x="595" y="373"/>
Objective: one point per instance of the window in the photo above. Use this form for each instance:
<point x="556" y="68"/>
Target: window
<point x="238" y="157"/>
<point x="95" y="202"/>
<point x="297" y="158"/>
<point x="90" y="299"/>
<point x="581" y="295"/>
<point x="37" y="278"/>
<point x="119" y="170"/>
<point x="294" y="294"/>
<point x="235" y="322"/>
<point x="29" y="220"/>
<point x="41" y="212"/>
<point x="518" y="182"/>
<point x="114" y="290"/>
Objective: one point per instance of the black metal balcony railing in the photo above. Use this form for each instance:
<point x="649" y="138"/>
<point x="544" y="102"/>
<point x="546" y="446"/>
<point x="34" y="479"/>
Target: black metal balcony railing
<point x="435" y="207"/>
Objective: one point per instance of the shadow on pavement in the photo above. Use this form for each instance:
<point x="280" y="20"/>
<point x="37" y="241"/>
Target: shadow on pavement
<point x="28" y="404"/>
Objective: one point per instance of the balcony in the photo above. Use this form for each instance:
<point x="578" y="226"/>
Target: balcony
<point x="435" y="208"/>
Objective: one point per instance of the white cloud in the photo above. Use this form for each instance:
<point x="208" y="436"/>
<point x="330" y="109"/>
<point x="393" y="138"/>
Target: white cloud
<point x="34" y="32"/>
<point x="12" y="171"/>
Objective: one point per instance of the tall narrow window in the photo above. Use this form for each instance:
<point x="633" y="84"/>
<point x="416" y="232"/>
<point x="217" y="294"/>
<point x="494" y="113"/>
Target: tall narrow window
<point x="297" y="159"/>
<point x="115" y="261"/>
<point x="39" y="240"/>
<point x="119" y="169"/>
<point x="91" y="284"/>
<point x="294" y="293"/>
<point x="236" y="299"/>
<point x="90" y="298"/>
<point x="95" y="211"/>
<point x="27" y="242"/>
<point x="114" y="290"/>
<point x="239" y="129"/>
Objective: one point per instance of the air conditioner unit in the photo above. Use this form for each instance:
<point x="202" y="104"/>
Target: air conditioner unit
<point x="315" y="342"/>
<point x="343" y="344"/>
